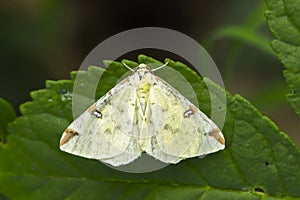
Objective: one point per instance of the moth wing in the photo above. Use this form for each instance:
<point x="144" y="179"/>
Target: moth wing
<point x="106" y="130"/>
<point x="148" y="142"/>
<point x="180" y="129"/>
<point x="126" y="157"/>
<point x="151" y="146"/>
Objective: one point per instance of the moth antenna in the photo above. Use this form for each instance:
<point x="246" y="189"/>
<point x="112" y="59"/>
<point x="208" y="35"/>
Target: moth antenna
<point x="158" y="68"/>
<point x="127" y="66"/>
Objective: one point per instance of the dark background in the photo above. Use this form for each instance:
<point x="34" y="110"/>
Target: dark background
<point x="43" y="40"/>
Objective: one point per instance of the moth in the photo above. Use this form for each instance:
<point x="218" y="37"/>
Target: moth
<point x="142" y="114"/>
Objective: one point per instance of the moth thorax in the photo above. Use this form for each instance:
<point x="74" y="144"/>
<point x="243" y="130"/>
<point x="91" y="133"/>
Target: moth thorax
<point x="143" y="90"/>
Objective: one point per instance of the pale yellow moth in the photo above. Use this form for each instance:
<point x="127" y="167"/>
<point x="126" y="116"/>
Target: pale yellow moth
<point x="142" y="114"/>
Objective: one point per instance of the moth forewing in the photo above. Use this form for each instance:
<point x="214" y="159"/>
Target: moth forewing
<point x="103" y="133"/>
<point x="180" y="128"/>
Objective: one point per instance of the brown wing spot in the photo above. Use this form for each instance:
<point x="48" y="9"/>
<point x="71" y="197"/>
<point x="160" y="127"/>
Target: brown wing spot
<point x="216" y="133"/>
<point x="92" y="108"/>
<point x="69" y="133"/>
<point x="192" y="109"/>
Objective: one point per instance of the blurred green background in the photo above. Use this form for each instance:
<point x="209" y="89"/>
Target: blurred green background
<point x="47" y="39"/>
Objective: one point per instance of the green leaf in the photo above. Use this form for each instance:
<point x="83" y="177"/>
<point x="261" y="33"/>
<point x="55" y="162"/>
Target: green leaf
<point x="284" y="22"/>
<point x="259" y="161"/>
<point x="247" y="32"/>
<point x="7" y="115"/>
<point x="55" y="99"/>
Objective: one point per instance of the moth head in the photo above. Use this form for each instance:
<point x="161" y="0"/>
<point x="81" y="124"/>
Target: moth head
<point x="142" y="68"/>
